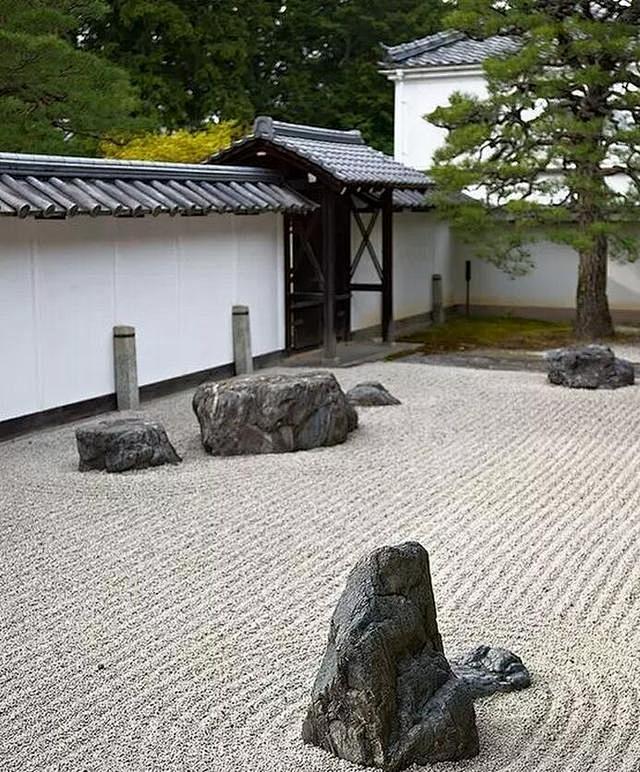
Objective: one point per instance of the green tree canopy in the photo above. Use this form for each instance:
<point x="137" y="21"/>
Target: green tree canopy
<point x="55" y="97"/>
<point x="554" y="147"/>
<point x="328" y="57"/>
<point x="309" y="61"/>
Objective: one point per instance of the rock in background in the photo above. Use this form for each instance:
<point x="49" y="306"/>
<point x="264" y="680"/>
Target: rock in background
<point x="273" y="414"/>
<point x="385" y="695"/>
<point x="589" y="367"/>
<point x="371" y="394"/>
<point x="123" y="444"/>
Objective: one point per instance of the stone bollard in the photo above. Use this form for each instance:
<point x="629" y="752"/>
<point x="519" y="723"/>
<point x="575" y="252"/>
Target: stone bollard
<point x="437" y="311"/>
<point x="126" y="367"/>
<point x="242" y="340"/>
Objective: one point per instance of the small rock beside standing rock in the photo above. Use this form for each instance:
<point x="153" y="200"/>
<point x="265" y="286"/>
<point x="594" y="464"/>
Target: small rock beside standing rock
<point x="588" y="367"/>
<point x="124" y="443"/>
<point x="488" y="669"/>
<point x="371" y="394"/>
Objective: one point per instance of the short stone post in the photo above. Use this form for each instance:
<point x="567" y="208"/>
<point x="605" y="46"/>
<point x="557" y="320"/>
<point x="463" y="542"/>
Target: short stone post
<point x="437" y="310"/>
<point x="126" y="367"/>
<point x="242" y="340"/>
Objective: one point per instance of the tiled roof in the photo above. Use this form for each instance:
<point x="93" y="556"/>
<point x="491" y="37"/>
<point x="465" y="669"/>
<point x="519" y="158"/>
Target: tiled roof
<point x="446" y="48"/>
<point x="342" y="154"/>
<point x="411" y="199"/>
<point x="61" y="186"/>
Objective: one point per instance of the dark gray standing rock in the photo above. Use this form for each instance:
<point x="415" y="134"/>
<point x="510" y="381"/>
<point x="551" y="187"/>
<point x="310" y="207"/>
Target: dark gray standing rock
<point x="124" y="443"/>
<point x="588" y="367"/>
<point x="488" y="669"/>
<point x="273" y="413"/>
<point x="371" y="394"/>
<point x="385" y="695"/>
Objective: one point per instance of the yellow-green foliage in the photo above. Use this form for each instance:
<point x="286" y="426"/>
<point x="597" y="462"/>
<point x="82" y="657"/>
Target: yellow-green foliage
<point x="180" y="146"/>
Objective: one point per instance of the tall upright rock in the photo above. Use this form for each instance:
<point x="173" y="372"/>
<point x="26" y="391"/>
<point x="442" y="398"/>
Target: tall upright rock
<point x="385" y="695"/>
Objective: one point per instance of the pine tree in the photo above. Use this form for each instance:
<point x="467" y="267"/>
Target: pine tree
<point x="55" y="97"/>
<point x="553" y="148"/>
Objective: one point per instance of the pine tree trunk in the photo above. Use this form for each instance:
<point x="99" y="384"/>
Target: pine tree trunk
<point x="593" y="318"/>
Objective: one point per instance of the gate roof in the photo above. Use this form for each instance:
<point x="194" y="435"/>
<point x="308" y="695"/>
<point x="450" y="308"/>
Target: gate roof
<point x="341" y="155"/>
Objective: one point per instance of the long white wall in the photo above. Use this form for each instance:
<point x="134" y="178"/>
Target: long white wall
<point x="65" y="284"/>
<point x="550" y="286"/>
<point x="421" y="247"/>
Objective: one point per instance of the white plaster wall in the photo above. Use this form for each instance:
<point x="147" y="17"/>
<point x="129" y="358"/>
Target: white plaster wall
<point x="418" y="94"/>
<point x="65" y="284"/>
<point x="421" y="247"/>
<point x="551" y="285"/>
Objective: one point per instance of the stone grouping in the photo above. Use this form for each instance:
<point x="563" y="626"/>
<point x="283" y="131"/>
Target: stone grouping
<point x="239" y="416"/>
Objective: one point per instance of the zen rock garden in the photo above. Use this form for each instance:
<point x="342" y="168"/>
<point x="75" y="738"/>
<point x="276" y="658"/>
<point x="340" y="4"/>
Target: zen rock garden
<point x="589" y="367"/>
<point x="385" y="694"/>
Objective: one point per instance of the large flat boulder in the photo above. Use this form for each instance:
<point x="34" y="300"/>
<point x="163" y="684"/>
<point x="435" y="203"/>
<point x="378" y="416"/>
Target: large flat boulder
<point x="385" y="695"/>
<point x="124" y="443"/>
<point x="588" y="367"/>
<point x="273" y="413"/>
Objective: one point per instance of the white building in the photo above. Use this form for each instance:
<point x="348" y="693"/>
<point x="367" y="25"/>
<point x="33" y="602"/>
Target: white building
<point x="426" y="72"/>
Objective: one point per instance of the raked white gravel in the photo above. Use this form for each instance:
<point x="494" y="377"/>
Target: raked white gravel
<point x="172" y="620"/>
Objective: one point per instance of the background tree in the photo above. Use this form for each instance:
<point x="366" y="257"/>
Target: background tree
<point x="309" y="61"/>
<point x="192" y="60"/>
<point x="328" y="54"/>
<point x="54" y="97"/>
<point x="181" y="146"/>
<point x="555" y="146"/>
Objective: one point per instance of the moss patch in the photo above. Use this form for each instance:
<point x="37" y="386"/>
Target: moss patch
<point x="496" y="332"/>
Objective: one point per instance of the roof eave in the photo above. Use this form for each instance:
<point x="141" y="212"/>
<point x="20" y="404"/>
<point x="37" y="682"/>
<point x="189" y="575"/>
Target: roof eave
<point x="413" y="72"/>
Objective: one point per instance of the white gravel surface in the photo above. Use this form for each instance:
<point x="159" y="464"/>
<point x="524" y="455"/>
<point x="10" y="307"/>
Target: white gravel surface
<point x="173" y="619"/>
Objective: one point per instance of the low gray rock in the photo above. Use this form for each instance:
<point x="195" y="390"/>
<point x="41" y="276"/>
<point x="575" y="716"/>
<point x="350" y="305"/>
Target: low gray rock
<point x="273" y="413"/>
<point x="124" y="443"/>
<point x="385" y="695"/>
<point x="371" y="394"/>
<point x="588" y="367"/>
<point x="488" y="669"/>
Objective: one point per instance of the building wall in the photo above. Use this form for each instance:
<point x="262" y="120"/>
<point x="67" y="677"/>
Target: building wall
<point x="418" y="94"/>
<point x="64" y="285"/>
<point x="421" y="247"/>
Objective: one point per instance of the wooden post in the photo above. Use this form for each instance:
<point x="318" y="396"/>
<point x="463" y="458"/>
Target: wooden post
<point x="126" y="367"/>
<point x="437" y="311"/>
<point x="241" y="331"/>
<point x="329" y="267"/>
<point x="387" y="265"/>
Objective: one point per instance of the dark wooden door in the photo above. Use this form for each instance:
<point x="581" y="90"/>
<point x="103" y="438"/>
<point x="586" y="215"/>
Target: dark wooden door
<point x="305" y="283"/>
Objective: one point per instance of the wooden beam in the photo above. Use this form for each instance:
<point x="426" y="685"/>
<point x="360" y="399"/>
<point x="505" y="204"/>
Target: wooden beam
<point x="387" y="265"/>
<point x="288" y="325"/>
<point x="365" y="287"/>
<point x="329" y="266"/>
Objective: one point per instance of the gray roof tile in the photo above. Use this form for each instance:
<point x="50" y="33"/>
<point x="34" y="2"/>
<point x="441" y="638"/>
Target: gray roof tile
<point x="61" y="186"/>
<point x="447" y="48"/>
<point x="342" y="154"/>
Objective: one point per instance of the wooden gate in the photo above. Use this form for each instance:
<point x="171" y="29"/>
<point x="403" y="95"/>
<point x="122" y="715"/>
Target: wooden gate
<point x="305" y="279"/>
